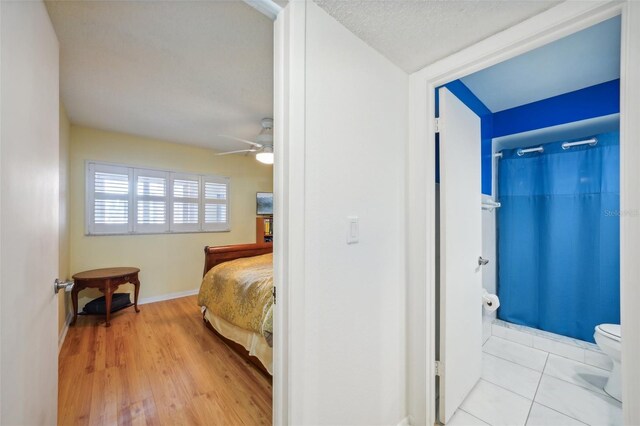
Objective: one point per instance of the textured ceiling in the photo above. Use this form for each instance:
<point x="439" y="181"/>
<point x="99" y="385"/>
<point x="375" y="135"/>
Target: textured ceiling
<point x="187" y="71"/>
<point x="416" y="33"/>
<point x="179" y="71"/>
<point x="583" y="59"/>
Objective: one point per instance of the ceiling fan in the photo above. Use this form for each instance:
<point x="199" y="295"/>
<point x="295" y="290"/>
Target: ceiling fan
<point x="263" y="147"/>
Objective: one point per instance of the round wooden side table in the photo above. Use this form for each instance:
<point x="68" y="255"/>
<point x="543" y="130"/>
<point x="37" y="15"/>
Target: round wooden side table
<point x="107" y="280"/>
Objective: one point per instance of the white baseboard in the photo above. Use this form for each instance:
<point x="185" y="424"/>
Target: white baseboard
<point x="168" y="296"/>
<point x="404" y="422"/>
<point x="63" y="332"/>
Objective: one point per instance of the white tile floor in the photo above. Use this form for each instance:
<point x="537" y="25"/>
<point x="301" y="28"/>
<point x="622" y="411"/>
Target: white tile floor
<point x="523" y="385"/>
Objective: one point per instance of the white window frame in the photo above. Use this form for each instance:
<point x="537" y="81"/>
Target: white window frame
<point x="133" y="227"/>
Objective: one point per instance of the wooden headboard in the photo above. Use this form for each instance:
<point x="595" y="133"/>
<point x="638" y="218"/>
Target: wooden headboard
<point x="216" y="255"/>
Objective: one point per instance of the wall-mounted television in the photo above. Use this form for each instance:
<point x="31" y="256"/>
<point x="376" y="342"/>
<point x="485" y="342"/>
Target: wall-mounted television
<point x="264" y="203"/>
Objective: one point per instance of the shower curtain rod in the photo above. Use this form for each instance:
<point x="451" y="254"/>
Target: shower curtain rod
<point x="490" y="205"/>
<point x="565" y="145"/>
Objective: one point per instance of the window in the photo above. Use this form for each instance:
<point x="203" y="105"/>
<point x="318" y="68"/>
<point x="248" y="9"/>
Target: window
<point x="151" y="201"/>
<point x="127" y="200"/>
<point x="215" y="203"/>
<point x="186" y="202"/>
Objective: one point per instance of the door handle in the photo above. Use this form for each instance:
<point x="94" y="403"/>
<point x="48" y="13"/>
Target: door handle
<point x="482" y="261"/>
<point x="59" y="285"/>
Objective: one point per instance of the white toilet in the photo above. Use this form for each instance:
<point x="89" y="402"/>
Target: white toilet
<point x="608" y="338"/>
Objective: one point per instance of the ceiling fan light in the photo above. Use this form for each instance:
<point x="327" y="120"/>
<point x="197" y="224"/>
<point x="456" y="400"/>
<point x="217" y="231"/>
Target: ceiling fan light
<point x="265" y="157"/>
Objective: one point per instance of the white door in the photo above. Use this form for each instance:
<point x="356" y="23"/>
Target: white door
<point x="460" y="248"/>
<point x="29" y="184"/>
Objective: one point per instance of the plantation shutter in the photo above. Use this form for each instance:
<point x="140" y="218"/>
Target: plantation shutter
<point x="151" y="201"/>
<point x="216" y="204"/>
<point x="186" y="202"/>
<point x="108" y="201"/>
<point x="129" y="200"/>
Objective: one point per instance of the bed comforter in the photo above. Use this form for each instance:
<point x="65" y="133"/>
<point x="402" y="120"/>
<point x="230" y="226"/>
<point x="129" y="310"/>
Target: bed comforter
<point x="240" y="292"/>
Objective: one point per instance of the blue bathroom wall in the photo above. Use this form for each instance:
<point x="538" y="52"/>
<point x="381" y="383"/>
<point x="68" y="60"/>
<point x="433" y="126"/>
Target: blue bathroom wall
<point x="590" y="102"/>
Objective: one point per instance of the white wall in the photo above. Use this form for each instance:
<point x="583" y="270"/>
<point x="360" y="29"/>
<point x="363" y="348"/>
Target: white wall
<point x="347" y="360"/>
<point x="29" y="189"/>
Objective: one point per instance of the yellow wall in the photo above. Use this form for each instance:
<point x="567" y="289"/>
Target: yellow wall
<point x="63" y="268"/>
<point x="169" y="263"/>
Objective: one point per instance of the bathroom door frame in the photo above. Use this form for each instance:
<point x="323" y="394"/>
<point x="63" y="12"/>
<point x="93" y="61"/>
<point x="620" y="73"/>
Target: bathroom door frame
<point x="551" y="25"/>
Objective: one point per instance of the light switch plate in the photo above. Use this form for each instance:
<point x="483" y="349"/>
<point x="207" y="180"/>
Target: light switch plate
<point x="353" y="230"/>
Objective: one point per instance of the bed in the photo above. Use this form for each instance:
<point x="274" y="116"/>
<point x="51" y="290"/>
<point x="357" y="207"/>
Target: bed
<point x="236" y="299"/>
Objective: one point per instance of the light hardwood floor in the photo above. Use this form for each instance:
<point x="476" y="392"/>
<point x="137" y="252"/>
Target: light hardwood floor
<point x="160" y="366"/>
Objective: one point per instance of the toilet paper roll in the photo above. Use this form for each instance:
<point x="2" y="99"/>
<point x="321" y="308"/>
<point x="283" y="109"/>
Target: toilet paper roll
<point x="490" y="302"/>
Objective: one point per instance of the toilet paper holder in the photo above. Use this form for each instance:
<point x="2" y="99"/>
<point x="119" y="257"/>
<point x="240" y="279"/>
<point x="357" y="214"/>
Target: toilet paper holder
<point x="490" y="302"/>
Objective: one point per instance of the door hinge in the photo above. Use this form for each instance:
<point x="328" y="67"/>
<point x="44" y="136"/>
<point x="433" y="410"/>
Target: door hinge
<point x="437" y="125"/>
<point x="273" y="292"/>
<point x="438" y="368"/>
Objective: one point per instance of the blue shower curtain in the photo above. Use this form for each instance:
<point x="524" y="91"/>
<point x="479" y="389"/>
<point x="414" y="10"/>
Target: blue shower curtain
<point x="559" y="237"/>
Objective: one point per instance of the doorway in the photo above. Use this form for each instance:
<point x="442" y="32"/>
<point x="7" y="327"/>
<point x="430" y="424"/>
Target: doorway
<point x="155" y="201"/>
<point x="549" y="232"/>
<point x="555" y="26"/>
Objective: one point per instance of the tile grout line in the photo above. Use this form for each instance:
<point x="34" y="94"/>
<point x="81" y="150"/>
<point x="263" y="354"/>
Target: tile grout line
<point x="516" y="363"/>
<point x="542" y="350"/>
<point x="519" y="365"/>
<point x="537" y="388"/>
<point x="487" y="341"/>
<point x="542" y="373"/>
<point x="559" y="412"/>
<point x="518" y="343"/>
<point x="579" y="362"/>
<point x="565" y="381"/>
<point x="475" y="417"/>
<point x="604" y="393"/>
<point x="508" y="390"/>
<point x="579" y="347"/>
<point x="559" y="339"/>
<point x="522" y="396"/>
<point x="513" y="362"/>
